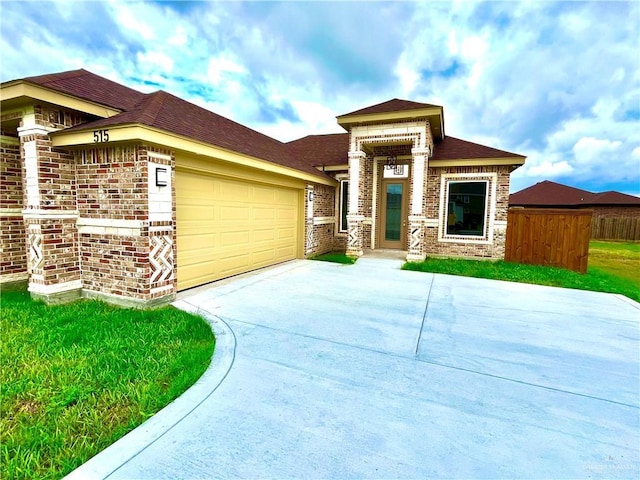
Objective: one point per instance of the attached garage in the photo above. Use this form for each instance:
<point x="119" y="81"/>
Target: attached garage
<point x="227" y="226"/>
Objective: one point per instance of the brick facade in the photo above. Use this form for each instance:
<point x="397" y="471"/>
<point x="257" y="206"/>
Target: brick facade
<point x="320" y="227"/>
<point x="85" y="223"/>
<point x="13" y="265"/>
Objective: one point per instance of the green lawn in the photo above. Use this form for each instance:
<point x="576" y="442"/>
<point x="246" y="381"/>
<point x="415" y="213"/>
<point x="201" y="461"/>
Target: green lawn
<point x="613" y="267"/>
<point x="335" y="257"/>
<point x="621" y="259"/>
<point x="75" y="378"/>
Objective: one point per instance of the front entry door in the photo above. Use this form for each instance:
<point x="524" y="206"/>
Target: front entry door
<point x="393" y="219"/>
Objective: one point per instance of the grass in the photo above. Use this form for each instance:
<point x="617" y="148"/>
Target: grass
<point x="621" y="259"/>
<point x="613" y="268"/>
<point x="335" y="257"/>
<point x="75" y="378"/>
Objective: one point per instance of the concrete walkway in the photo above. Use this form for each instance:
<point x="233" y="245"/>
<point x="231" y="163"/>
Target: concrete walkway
<point x="367" y="371"/>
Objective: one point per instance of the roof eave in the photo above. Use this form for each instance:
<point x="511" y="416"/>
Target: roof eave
<point x="84" y="137"/>
<point x="14" y="93"/>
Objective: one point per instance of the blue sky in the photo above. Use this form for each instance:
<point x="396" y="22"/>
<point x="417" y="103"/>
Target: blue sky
<point x="558" y="82"/>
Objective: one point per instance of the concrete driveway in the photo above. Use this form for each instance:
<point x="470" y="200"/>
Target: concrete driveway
<point x="367" y="371"/>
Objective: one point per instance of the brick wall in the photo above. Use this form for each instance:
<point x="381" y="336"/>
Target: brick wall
<point x="112" y="183"/>
<point x="123" y="253"/>
<point x="13" y="264"/>
<point x="467" y="248"/>
<point x="320" y="229"/>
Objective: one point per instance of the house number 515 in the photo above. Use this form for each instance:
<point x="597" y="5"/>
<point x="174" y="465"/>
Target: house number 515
<point x="100" y="136"/>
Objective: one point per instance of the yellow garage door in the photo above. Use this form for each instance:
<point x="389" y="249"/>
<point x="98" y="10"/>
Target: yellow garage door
<point x="226" y="227"/>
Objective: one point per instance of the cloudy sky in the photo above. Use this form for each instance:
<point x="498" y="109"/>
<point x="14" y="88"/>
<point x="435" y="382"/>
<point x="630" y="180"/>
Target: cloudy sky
<point x="558" y="82"/>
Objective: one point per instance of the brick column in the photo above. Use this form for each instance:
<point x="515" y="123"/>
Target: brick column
<point x="50" y="213"/>
<point x="417" y="217"/>
<point x="355" y="217"/>
<point x="13" y="264"/>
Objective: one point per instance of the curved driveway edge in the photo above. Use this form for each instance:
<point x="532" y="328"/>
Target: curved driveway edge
<point x="109" y="460"/>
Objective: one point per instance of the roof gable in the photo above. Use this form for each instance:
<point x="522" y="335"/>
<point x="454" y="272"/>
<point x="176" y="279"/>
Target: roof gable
<point x="393" y="105"/>
<point x="89" y="86"/>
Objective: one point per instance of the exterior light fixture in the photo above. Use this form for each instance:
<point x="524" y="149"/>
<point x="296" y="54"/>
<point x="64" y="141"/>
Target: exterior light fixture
<point x="391" y="162"/>
<point x="311" y="196"/>
<point x="162" y="178"/>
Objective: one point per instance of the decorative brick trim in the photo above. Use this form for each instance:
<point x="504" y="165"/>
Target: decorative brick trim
<point x="55" y="288"/>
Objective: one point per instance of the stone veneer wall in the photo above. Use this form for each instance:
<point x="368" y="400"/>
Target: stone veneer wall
<point x="470" y="248"/>
<point x="13" y="264"/>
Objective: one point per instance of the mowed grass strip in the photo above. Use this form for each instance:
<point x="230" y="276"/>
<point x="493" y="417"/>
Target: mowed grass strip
<point x="75" y="378"/>
<point x="605" y="276"/>
<point x="335" y="257"/>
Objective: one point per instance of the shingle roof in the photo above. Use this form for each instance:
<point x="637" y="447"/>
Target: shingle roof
<point x="451" y="148"/>
<point x="89" y="86"/>
<point x="394" y="105"/>
<point x="167" y="112"/>
<point x="318" y="150"/>
<point x="615" y="198"/>
<point x="547" y="193"/>
<point x="333" y="149"/>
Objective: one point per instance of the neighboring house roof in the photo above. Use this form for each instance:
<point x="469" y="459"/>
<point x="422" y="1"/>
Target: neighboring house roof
<point x="322" y="150"/>
<point x="552" y="194"/>
<point x="615" y="198"/>
<point x="89" y="86"/>
<point x="394" y="105"/>
<point x="451" y="148"/>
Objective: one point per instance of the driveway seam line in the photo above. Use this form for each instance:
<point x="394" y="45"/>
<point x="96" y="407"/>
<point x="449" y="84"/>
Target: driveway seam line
<point x="442" y="365"/>
<point x="424" y="315"/>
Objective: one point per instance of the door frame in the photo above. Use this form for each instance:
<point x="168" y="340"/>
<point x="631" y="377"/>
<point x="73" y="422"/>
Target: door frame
<point x="393" y="244"/>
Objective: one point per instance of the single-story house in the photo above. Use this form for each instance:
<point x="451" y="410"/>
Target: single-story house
<point x="616" y="215"/>
<point x="130" y="197"/>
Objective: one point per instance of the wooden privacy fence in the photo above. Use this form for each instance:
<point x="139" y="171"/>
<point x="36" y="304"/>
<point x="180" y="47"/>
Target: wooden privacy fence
<point x="551" y="237"/>
<point x="615" y="228"/>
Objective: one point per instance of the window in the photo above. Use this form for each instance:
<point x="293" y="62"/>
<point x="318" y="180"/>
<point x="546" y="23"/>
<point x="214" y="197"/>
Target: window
<point x="466" y="208"/>
<point x="344" y="204"/>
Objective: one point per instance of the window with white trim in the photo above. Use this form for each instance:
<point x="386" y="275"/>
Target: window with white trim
<point x="466" y="208"/>
<point x="344" y="205"/>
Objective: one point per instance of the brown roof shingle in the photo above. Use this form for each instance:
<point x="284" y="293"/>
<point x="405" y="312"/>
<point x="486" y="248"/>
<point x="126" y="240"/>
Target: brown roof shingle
<point x="169" y="113"/>
<point x="552" y="194"/>
<point x="394" y="105"/>
<point x="89" y="86"/>
<point x="318" y="150"/>
<point x="451" y="148"/>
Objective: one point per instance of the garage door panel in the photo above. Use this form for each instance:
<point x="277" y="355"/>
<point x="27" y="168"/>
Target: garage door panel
<point x="226" y="227"/>
<point x="233" y="239"/>
<point x="234" y="191"/>
<point x="262" y="213"/>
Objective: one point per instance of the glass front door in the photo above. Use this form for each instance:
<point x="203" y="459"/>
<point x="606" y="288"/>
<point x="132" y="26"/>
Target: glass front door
<point x="393" y="219"/>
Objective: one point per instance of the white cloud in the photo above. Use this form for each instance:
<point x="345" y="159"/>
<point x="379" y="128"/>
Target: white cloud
<point x="589" y="151"/>
<point x="223" y="68"/>
<point x="155" y="59"/>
